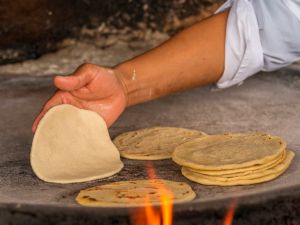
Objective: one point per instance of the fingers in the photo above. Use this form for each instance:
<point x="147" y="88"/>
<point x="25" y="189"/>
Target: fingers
<point x="59" y="98"/>
<point x="55" y="100"/>
<point x="71" y="88"/>
<point x="79" y="79"/>
<point x="84" y="93"/>
<point x="67" y="83"/>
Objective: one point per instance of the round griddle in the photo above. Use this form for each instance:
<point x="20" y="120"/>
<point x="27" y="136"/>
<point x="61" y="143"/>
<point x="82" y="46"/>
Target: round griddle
<point x="266" y="102"/>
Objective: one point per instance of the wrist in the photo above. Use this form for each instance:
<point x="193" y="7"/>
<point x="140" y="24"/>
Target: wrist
<point x="139" y="84"/>
<point x="120" y="78"/>
<point x="127" y="77"/>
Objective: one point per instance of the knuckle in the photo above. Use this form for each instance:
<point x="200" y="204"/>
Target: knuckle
<point x="64" y="98"/>
<point x="87" y="66"/>
<point x="60" y="96"/>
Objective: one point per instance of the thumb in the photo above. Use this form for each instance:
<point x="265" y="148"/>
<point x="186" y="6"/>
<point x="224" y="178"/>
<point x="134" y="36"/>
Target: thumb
<point x="73" y="82"/>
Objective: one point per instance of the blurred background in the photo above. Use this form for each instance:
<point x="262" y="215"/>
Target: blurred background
<point x="64" y="34"/>
<point x="49" y="37"/>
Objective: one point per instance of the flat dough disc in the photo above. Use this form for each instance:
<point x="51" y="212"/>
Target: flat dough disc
<point x="242" y="171"/>
<point x="153" y="143"/>
<point x="73" y="145"/>
<point x="263" y="176"/>
<point x="229" y="151"/>
<point x="134" y="193"/>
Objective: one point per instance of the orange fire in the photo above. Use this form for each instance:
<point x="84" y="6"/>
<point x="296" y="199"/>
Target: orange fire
<point x="230" y="213"/>
<point x="150" y="215"/>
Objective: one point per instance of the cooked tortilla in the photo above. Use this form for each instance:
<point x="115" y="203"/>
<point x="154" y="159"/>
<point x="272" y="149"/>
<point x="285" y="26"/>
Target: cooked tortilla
<point x="229" y="151"/>
<point x="135" y="193"/>
<point x="258" y="177"/>
<point x="242" y="171"/>
<point x="153" y="143"/>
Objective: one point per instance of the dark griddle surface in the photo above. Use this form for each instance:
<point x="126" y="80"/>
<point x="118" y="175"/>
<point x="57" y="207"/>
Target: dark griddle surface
<point x="267" y="102"/>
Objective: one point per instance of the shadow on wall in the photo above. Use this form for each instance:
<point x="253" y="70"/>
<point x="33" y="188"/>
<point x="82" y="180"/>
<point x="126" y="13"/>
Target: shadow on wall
<point x="29" y="28"/>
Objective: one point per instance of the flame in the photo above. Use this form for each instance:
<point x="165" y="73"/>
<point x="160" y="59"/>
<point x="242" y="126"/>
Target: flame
<point x="153" y="216"/>
<point x="150" y="215"/>
<point x="151" y="171"/>
<point x="230" y="213"/>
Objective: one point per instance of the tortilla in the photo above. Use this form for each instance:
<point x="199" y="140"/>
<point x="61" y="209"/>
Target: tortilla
<point x="135" y="193"/>
<point x="229" y="151"/>
<point x="263" y="176"/>
<point x="153" y="143"/>
<point x="73" y="145"/>
<point x="243" y="171"/>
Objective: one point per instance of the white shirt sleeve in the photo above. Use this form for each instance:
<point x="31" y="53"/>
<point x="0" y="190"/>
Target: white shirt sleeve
<point x="254" y="41"/>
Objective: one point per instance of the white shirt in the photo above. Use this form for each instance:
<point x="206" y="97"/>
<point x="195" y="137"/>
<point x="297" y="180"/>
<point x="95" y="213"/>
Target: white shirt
<point x="260" y="35"/>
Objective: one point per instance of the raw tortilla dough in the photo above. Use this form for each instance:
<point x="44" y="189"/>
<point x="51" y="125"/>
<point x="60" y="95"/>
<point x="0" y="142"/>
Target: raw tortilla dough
<point x="153" y="143"/>
<point x="229" y="151"/>
<point x="263" y="176"/>
<point x="134" y="193"/>
<point x="73" y="145"/>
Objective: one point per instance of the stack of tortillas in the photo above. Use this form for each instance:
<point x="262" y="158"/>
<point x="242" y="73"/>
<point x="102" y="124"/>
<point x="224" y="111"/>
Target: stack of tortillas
<point x="233" y="159"/>
<point x="154" y="143"/>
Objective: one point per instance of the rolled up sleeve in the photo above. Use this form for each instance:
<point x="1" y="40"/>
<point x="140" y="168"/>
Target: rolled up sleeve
<point x="260" y="35"/>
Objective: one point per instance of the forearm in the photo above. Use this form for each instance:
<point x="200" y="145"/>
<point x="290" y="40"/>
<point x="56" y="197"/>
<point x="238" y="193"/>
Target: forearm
<point x="192" y="58"/>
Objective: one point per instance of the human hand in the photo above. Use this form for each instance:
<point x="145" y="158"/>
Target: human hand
<point x="90" y="87"/>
